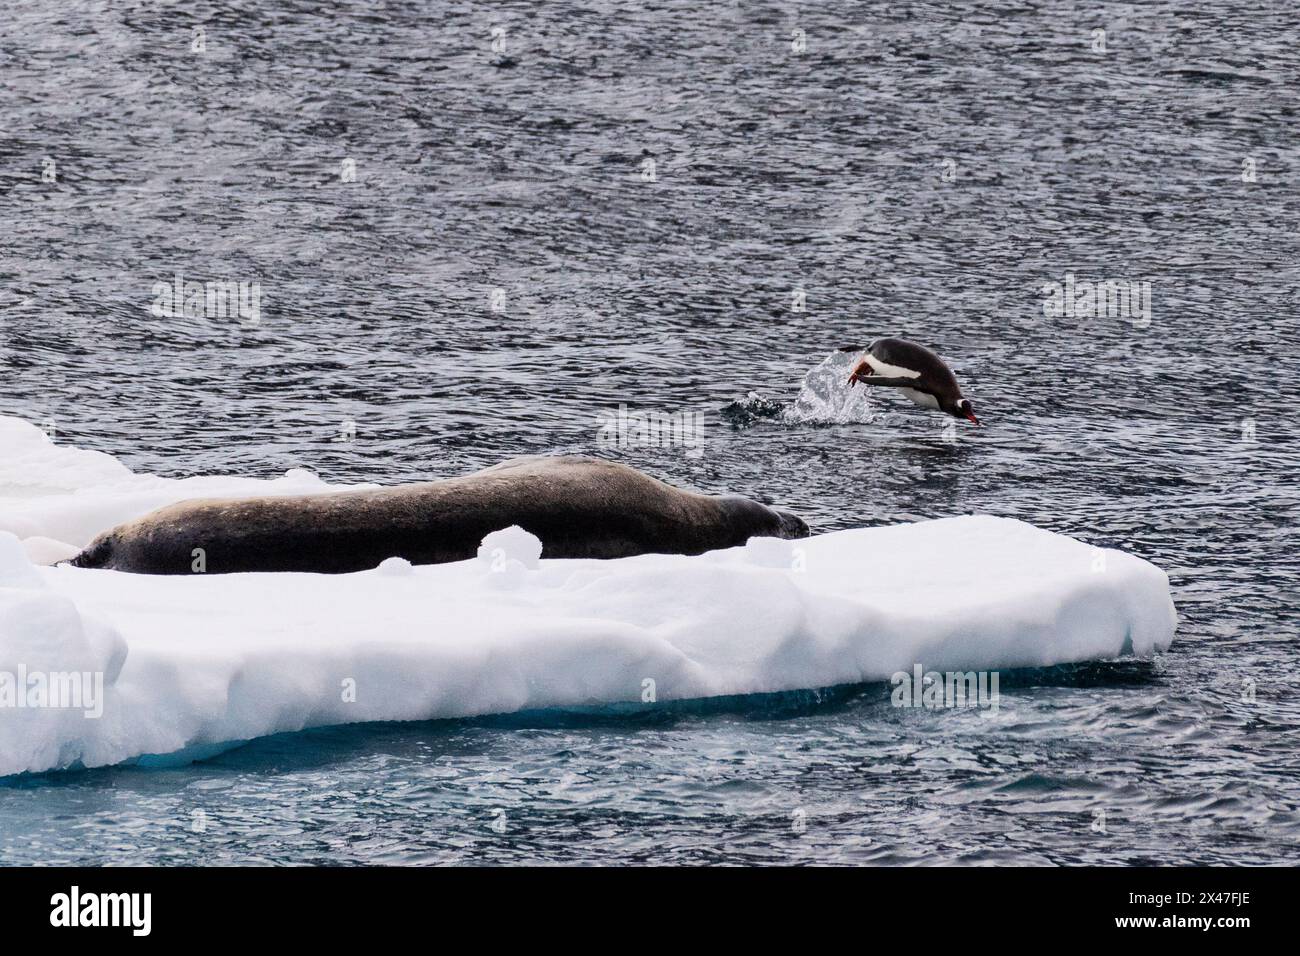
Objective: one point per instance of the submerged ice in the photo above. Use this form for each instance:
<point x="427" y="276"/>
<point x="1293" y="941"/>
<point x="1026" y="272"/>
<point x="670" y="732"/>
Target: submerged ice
<point x="191" y="663"/>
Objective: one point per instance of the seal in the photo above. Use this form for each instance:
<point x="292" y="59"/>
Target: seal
<point x="579" y="507"/>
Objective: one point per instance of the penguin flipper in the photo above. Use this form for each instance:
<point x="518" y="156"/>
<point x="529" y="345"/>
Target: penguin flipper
<point x="886" y="381"/>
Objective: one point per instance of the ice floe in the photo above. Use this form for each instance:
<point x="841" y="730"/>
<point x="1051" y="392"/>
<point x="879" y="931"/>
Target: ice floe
<point x="188" y="664"/>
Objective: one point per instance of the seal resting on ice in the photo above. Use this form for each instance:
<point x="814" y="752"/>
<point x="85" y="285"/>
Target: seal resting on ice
<point x="579" y="507"/>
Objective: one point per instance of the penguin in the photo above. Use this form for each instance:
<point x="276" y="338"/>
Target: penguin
<point x="916" y="372"/>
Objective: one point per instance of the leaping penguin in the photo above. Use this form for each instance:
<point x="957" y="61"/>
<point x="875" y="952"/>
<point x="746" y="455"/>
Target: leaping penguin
<point x="915" y="371"/>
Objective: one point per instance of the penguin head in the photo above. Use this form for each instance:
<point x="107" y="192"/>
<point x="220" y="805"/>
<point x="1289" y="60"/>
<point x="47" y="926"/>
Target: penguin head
<point x="962" y="408"/>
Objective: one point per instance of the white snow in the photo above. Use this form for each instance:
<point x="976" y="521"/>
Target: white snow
<point x="511" y="544"/>
<point x="68" y="495"/>
<point x="192" y="663"/>
<point x="395" y="567"/>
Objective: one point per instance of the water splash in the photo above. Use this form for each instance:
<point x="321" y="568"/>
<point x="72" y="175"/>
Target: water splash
<point x="825" y="398"/>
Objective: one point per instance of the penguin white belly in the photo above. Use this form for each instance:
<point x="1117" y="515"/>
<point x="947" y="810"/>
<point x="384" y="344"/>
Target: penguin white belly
<point x="924" y="399"/>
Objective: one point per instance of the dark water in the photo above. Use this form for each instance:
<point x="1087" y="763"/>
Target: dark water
<point x="523" y="169"/>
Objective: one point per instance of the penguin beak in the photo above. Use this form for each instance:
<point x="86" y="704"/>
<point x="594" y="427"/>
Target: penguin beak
<point x="970" y="416"/>
<point x="853" y="376"/>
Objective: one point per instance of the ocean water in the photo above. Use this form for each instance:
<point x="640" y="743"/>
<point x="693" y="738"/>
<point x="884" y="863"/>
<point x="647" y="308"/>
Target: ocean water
<point x="478" y="228"/>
